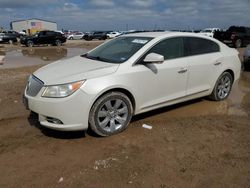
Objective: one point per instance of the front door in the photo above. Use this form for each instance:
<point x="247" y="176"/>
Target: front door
<point x="161" y="83"/>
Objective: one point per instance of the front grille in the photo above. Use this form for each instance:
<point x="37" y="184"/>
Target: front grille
<point x="34" y="86"/>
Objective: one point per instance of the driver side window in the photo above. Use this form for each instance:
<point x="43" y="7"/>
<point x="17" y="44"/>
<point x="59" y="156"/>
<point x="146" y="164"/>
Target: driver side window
<point x="170" y="48"/>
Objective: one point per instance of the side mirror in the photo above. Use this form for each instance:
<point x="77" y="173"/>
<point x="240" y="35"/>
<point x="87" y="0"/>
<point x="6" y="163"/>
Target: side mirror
<point x="154" y="58"/>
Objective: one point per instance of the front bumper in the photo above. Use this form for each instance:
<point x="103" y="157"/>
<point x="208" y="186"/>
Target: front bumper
<point x="72" y="111"/>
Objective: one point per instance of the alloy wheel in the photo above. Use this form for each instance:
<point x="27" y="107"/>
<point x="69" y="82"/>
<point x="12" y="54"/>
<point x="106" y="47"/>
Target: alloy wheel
<point x="224" y="87"/>
<point x="112" y="115"/>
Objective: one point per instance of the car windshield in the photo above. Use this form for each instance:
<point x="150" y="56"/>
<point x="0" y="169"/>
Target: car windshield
<point x="118" y="50"/>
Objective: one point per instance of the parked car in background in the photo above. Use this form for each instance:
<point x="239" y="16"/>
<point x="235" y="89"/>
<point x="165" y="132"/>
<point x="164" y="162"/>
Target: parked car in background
<point x="2" y="55"/>
<point x="113" y="34"/>
<point x="12" y="33"/>
<point x="210" y="31"/>
<point x="246" y="58"/>
<point x="69" y="32"/>
<point x="1" y="59"/>
<point x="100" y="35"/>
<point x="8" y="38"/>
<point x="129" y="75"/>
<point x="44" y="37"/>
<point x="236" y="36"/>
<point x="75" y="36"/>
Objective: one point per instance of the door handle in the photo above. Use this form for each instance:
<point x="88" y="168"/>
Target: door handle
<point x="182" y="71"/>
<point x="217" y="63"/>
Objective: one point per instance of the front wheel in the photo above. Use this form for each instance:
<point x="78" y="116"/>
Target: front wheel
<point x="58" y="43"/>
<point x="222" y="87"/>
<point x="110" y="114"/>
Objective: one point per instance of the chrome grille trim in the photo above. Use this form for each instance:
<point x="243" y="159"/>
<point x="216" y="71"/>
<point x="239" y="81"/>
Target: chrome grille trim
<point x="34" y="85"/>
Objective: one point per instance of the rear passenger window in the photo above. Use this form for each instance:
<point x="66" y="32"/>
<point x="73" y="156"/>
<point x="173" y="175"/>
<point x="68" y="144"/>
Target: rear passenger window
<point x="50" y="33"/>
<point x="169" y="48"/>
<point x="197" y="46"/>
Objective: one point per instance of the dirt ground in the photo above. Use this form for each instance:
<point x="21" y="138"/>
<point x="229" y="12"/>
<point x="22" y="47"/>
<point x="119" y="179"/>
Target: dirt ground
<point x="195" y="144"/>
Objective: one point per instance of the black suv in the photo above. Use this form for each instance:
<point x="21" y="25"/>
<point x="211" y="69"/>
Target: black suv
<point x="44" y="37"/>
<point x="96" y="35"/>
<point x="8" y="37"/>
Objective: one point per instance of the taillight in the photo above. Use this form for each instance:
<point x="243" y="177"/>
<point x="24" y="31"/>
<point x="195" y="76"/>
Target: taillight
<point x="233" y="36"/>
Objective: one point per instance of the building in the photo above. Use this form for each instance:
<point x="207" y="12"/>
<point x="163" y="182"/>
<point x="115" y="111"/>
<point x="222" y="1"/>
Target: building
<point x="31" y="26"/>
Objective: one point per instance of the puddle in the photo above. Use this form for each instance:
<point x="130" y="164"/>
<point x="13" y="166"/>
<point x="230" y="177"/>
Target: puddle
<point x="37" y="56"/>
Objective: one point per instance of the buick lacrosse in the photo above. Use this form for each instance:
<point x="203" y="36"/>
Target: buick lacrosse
<point x="129" y="75"/>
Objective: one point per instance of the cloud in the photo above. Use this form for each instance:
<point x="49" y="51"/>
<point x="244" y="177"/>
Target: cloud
<point x="89" y="15"/>
<point x="104" y="3"/>
<point x="70" y="7"/>
<point x="25" y="3"/>
<point x="141" y="3"/>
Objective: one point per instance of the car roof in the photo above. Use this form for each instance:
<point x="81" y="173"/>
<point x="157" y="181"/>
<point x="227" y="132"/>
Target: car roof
<point x="164" y="34"/>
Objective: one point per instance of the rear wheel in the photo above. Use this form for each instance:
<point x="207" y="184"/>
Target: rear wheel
<point x="30" y="43"/>
<point x="110" y="114"/>
<point x="222" y="87"/>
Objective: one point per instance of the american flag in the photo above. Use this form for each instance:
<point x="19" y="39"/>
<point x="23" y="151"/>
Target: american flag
<point x="36" y="25"/>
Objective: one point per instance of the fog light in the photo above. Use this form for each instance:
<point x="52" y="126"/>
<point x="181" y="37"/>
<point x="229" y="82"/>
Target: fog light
<point x="54" y="120"/>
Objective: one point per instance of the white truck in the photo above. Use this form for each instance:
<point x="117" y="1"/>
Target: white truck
<point x="209" y="31"/>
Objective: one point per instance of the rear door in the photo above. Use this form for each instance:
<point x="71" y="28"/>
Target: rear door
<point x="41" y="39"/>
<point x="50" y="37"/>
<point x="204" y="62"/>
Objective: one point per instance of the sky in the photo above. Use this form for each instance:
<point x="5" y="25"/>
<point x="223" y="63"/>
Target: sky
<point x="89" y="15"/>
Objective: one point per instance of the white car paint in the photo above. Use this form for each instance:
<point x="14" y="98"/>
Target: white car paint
<point x="1" y="59"/>
<point x="151" y="85"/>
<point x="113" y="34"/>
<point x="75" y="36"/>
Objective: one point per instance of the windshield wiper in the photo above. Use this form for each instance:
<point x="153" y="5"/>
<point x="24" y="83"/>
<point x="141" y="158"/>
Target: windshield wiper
<point x="96" y="58"/>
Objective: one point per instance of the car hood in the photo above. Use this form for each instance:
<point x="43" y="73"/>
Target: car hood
<point x="74" y="69"/>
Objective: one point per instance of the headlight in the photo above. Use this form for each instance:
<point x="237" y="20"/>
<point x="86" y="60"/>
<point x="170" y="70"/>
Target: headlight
<point x="63" y="90"/>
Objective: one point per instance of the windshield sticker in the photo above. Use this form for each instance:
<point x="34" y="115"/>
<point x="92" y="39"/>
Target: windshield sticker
<point x="140" y="41"/>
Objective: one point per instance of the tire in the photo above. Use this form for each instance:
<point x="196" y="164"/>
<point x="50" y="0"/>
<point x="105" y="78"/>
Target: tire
<point x="58" y="43"/>
<point x="110" y="114"/>
<point x="70" y="38"/>
<point x="10" y="41"/>
<point x="30" y="43"/>
<point x="238" y="43"/>
<point x="222" y="87"/>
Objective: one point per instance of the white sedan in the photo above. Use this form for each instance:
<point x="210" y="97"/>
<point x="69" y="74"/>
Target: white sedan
<point x="130" y="75"/>
<point x="76" y="36"/>
<point x="114" y="34"/>
<point x="1" y="59"/>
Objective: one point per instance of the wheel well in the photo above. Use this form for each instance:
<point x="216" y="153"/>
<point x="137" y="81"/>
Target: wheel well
<point x="124" y="91"/>
<point x="231" y="72"/>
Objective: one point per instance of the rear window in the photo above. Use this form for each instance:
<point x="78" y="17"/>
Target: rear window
<point x="197" y="46"/>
